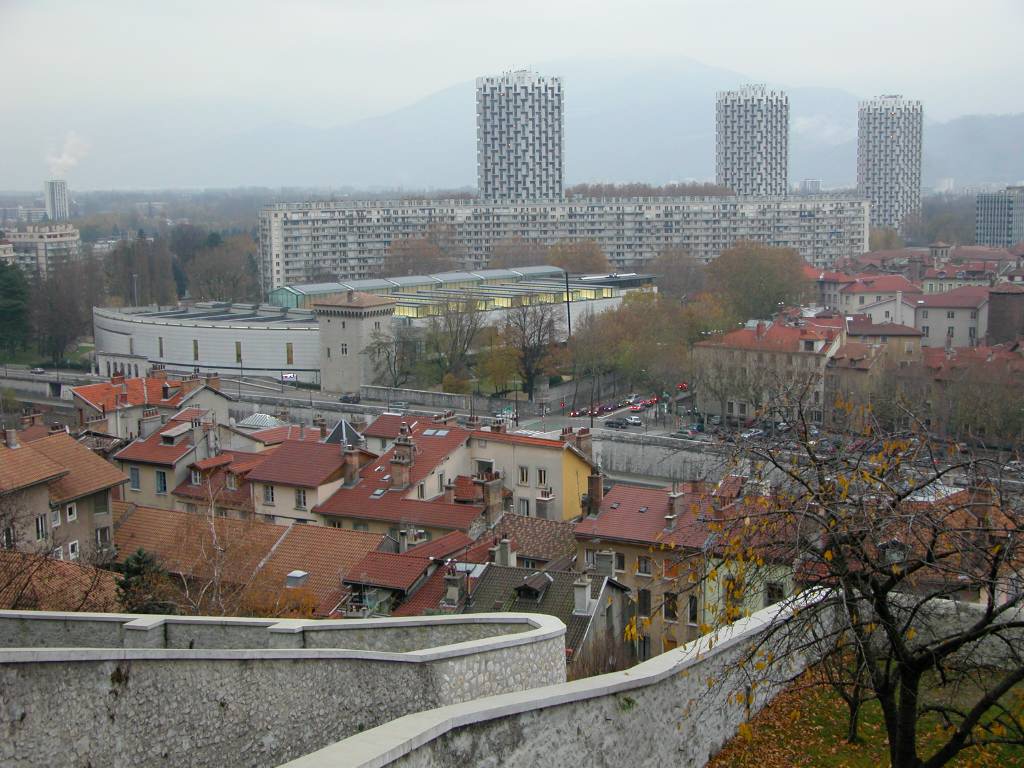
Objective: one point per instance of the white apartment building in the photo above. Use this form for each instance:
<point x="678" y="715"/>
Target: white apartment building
<point x="999" y="217"/>
<point x="752" y="140"/>
<point x="300" y="242"/>
<point x="519" y="136"/>
<point x="889" y="158"/>
<point x="38" y="248"/>
<point x="56" y="194"/>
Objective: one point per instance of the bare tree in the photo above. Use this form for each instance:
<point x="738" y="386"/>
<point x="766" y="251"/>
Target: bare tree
<point x="452" y="332"/>
<point x="394" y="356"/>
<point x="531" y="331"/>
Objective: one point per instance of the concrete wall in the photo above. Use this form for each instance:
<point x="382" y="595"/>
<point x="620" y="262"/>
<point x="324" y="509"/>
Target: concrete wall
<point x="155" y="690"/>
<point x="624" y="453"/>
<point x="678" y="708"/>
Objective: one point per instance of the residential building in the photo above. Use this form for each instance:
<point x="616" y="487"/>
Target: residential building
<point x="219" y="485"/>
<point x="381" y="581"/>
<point x="299" y="242"/>
<point x="56" y="195"/>
<point x="773" y="362"/>
<point x="889" y="158"/>
<point x="55" y="497"/>
<point x="540" y="543"/>
<point x="297" y="476"/>
<point x="956" y="318"/>
<point x="381" y="433"/>
<point x="40" y="248"/>
<point x="1005" y="313"/>
<point x="999" y="217"/>
<point x="752" y="141"/>
<point x="520" y="149"/>
<point x="948" y="276"/>
<point x="160" y="462"/>
<point x="866" y="290"/>
<point x="828" y="283"/>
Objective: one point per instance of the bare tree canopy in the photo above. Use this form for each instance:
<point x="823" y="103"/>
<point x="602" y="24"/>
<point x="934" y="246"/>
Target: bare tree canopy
<point x="436" y="251"/>
<point x="518" y="252"/>
<point x="225" y="272"/>
<point x="679" y="274"/>
<point x="578" y="257"/>
<point x="530" y="332"/>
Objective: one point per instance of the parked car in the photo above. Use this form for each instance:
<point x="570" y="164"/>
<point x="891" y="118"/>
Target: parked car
<point x="289" y="377"/>
<point x="752" y="434"/>
<point x="634" y="421"/>
<point x="37" y="371"/>
<point x="349" y="397"/>
<point x="615" y="423"/>
<point x="398" y="405"/>
<point x="686" y="433"/>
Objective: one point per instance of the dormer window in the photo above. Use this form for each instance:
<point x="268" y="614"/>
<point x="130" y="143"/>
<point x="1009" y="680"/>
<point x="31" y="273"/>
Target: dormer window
<point x="195" y="477"/>
<point x="231" y="482"/>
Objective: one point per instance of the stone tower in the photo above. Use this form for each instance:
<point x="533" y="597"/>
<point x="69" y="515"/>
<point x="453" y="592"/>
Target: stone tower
<point x="349" y="323"/>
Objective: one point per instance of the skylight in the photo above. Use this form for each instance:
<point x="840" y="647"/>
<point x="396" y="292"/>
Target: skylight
<point x="378" y="493"/>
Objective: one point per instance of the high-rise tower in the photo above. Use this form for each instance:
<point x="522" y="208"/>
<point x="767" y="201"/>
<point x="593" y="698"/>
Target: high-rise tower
<point x="752" y="140"/>
<point x="56" y="194"/>
<point x="889" y="158"/>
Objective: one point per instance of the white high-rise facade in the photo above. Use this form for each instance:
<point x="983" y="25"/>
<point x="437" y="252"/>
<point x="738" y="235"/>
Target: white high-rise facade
<point x="999" y="218"/>
<point x="519" y="137"/>
<point x="56" y="194"/>
<point x="752" y="140"/>
<point x="889" y="158"/>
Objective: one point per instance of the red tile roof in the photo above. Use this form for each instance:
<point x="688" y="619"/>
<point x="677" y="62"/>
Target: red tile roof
<point x="867" y="328"/>
<point x="620" y="517"/>
<point x="86" y="474"/>
<point x="388" y="425"/>
<point x="537" y="538"/>
<point x="772" y="337"/>
<point x="966" y="296"/>
<point x="153" y="450"/>
<point x="214" y="488"/>
<point x="142" y="391"/>
<point x="390" y="505"/>
<point x="300" y="463"/>
<point x="880" y="284"/>
<point x="22" y="467"/>
<point x="442" y="547"/>
<point x="427" y="597"/>
<point x="277" y="435"/>
<point x="36" y="583"/>
<point x="388" y="570"/>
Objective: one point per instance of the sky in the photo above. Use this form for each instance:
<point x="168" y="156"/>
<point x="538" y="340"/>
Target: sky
<point x="73" y="69"/>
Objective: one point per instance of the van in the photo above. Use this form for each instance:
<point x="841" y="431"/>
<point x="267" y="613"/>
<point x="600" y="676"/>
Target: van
<point x="289" y="377"/>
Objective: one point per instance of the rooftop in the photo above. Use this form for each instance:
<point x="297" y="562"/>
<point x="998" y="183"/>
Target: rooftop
<point x="388" y="570"/>
<point x="300" y="463"/>
<point x="637" y="515"/>
<point x="536" y="538"/>
<point x="86" y="472"/>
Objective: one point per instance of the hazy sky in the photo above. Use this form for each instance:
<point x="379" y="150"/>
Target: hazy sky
<point x="80" y="65"/>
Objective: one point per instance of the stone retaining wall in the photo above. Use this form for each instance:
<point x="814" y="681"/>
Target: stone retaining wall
<point x="119" y="690"/>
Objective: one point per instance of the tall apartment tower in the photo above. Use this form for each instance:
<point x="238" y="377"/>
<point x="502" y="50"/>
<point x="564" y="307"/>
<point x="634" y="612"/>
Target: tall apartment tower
<point x="889" y="158"/>
<point x="56" y="194"/>
<point x="752" y="138"/>
<point x="999" y="219"/>
<point x="519" y="137"/>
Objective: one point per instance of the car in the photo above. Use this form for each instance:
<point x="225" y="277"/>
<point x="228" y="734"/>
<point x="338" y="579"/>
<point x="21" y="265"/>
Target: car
<point x="578" y="412"/>
<point x="715" y="421"/>
<point x="289" y="377"/>
<point x="686" y="433"/>
<point x="349" y="397"/>
<point x="37" y="371"/>
<point x="636" y="407"/>
<point x="634" y="421"/>
<point x="1014" y="467"/>
<point x="682" y="386"/>
<point x="615" y="423"/>
<point x="398" y="405"/>
<point x="606" y="407"/>
<point x="752" y="434"/>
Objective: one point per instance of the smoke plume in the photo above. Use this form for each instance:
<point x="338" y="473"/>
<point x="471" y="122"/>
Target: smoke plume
<point x="74" y="150"/>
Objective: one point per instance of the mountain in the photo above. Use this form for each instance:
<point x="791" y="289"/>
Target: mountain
<point x="626" y="120"/>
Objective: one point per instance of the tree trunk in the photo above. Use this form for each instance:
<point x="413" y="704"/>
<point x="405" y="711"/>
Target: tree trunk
<point x="852" y="725"/>
<point x="904" y="748"/>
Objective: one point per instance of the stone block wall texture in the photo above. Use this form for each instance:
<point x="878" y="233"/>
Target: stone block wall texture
<point x="225" y="707"/>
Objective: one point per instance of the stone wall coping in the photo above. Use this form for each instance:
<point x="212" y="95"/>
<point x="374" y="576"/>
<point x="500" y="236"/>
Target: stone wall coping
<point x="542" y="627"/>
<point x="382" y="745"/>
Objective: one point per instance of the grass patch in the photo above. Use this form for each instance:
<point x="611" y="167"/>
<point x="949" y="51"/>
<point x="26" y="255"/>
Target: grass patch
<point x="806" y="726"/>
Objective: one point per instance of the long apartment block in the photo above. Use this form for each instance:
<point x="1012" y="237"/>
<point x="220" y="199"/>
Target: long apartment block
<point x="304" y="242"/>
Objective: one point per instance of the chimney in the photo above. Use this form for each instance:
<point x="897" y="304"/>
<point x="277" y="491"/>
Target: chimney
<point x="296" y="579"/>
<point x="350" y="295"/>
<point x="674" y="508"/>
<point x="403" y="541"/>
<point x="165" y="391"/>
<point x="454" y="589"/>
<point x="350" y="467"/>
<point x="604" y="563"/>
<point x="449" y="492"/>
<point x="498" y="426"/>
<point x="585" y="442"/>
<point x="190" y="383"/>
<point x="403" y="452"/>
<point x="320" y="423"/>
<point x="546" y="505"/>
<point x="759" y="330"/>
<point x="11" y="438"/>
<point x="898" y="313"/>
<point x="595" y="492"/>
<point x="213" y="381"/>
<point x="505" y="554"/>
<point x="581" y="594"/>
<point x="117" y="379"/>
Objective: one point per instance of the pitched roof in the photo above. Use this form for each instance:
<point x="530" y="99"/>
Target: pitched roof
<point x="771" y="337"/>
<point x="966" y="296"/>
<point x="32" y="582"/>
<point x="427" y="597"/>
<point x="880" y="284"/>
<point x="853" y="355"/>
<point x="344" y="433"/>
<point x="537" y="538"/>
<point x="637" y="514"/>
<point x="86" y="473"/>
<point x="354" y="299"/>
<point x="108" y="395"/>
<point x="155" y="450"/>
<point x="868" y="328"/>
<point x="518" y="439"/>
<point x="214" y="485"/>
<point x="388" y="570"/>
<point x="388" y="425"/>
<point x="278" y="435"/>
<point x="300" y="463"/>
<point x="22" y="467"/>
<point x="443" y="546"/>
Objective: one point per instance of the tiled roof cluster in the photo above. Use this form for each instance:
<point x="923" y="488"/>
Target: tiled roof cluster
<point x="70" y="469"/>
<point x="158" y="449"/>
<point x="300" y="464"/>
<point x="536" y="538"/>
<point x="36" y="583"/>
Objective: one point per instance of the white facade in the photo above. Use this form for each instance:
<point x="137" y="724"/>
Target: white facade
<point x="889" y="158"/>
<point x="519" y="137"/>
<point x="56" y="194"/>
<point x="38" y="248"/>
<point x="999" y="220"/>
<point x="301" y="241"/>
<point x="752" y="140"/>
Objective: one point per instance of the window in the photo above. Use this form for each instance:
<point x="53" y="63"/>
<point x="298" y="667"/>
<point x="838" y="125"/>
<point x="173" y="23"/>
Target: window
<point x="773" y="593"/>
<point x="231" y="481"/>
<point x="195" y="477"/>
<point x="924" y="314"/>
<point x="72" y="550"/>
<point x="887" y="314"/>
<point x="195" y="349"/>
<point x="861" y="300"/>
<point x="729" y="407"/>
<point x="343" y="349"/>
<point x="691" y="610"/>
<point x="524" y="506"/>
<point x="643" y="602"/>
<point x="190" y="508"/>
<point x="972" y="333"/>
<point x="133" y="478"/>
<point x="58" y="553"/>
<point x="103" y="537"/>
<point x="524" y="475"/>
<point x="808" y="346"/>
<point x="950" y="331"/>
<point x="924" y="330"/>
<point x="7" y="538"/>
<point x="670" y="606"/>
<point x="360" y="527"/>
<point x="161" y="481"/>
<point x="160" y="345"/>
<point x="420" y="491"/>
<point x="376" y="325"/>
<point x="300" y="498"/>
<point x="289" y="354"/>
<point x="974" y="314"/>
<point x="440" y="482"/>
<point x="238" y="352"/>
<point x="542" y="477"/>
<point x="41" y="529"/>
<point x="950" y="314"/>
<point x="620" y="561"/>
<point x="55" y="517"/>
<point x="643" y="565"/>
<point x="268" y="494"/>
<point x="743" y="409"/>
<point x="72" y="512"/>
<point x="589" y="556"/>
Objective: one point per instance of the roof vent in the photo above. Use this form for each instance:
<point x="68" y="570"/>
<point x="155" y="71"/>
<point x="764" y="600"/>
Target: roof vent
<point x="296" y="579"/>
<point x="642" y="509"/>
